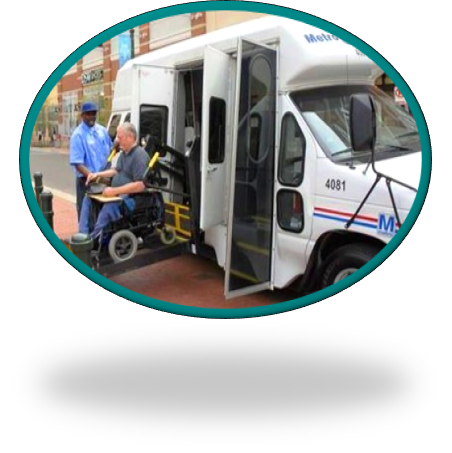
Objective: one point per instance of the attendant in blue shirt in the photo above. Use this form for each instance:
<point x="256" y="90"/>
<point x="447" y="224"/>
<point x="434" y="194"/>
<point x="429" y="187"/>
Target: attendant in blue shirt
<point x="90" y="147"/>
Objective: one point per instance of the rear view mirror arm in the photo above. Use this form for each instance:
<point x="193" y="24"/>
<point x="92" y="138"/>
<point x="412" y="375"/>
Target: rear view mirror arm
<point x="388" y="184"/>
<point x="349" y="223"/>
<point x="363" y="137"/>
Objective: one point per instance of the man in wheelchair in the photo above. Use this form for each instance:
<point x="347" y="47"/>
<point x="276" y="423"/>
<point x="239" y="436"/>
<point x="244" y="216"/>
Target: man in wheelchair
<point x="123" y="205"/>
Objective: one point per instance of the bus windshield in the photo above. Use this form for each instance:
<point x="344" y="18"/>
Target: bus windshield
<point x="326" y="111"/>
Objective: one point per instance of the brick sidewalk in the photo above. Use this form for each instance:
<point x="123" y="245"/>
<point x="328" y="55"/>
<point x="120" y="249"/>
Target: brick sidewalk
<point x="186" y="280"/>
<point x="64" y="218"/>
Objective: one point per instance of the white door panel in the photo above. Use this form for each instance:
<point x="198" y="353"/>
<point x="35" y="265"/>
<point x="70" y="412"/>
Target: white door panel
<point x="216" y="93"/>
<point x="144" y="92"/>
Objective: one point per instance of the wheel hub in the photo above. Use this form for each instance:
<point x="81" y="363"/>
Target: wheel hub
<point x="344" y="273"/>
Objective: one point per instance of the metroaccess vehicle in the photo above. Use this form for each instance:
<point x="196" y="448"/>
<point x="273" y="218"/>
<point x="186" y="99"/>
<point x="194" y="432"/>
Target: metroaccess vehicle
<point x="286" y="163"/>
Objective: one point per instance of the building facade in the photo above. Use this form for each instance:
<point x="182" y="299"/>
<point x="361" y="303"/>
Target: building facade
<point x="93" y="77"/>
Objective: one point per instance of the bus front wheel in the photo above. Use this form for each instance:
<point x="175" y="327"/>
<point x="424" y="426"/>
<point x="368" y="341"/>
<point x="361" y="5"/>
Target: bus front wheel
<point x="345" y="261"/>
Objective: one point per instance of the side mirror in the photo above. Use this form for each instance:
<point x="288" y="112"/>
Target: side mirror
<point x="363" y="129"/>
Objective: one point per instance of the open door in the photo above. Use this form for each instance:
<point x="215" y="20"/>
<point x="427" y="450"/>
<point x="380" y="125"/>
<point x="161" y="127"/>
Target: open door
<point x="251" y="223"/>
<point x="216" y="102"/>
<point x="152" y="107"/>
<point x="154" y="91"/>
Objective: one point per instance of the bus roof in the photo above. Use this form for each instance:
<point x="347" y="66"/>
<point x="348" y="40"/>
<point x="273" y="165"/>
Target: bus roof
<point x="308" y="57"/>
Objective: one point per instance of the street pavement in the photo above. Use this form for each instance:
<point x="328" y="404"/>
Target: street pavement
<point x="186" y="280"/>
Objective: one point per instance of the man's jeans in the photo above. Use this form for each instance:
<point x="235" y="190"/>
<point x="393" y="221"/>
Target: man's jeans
<point x="110" y="212"/>
<point x="80" y="190"/>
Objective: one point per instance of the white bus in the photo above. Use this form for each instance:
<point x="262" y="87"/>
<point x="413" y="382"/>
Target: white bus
<point x="278" y="194"/>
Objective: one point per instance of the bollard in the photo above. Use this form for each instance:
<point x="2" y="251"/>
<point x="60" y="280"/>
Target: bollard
<point x="38" y="186"/>
<point x="46" y="207"/>
<point x="81" y="245"/>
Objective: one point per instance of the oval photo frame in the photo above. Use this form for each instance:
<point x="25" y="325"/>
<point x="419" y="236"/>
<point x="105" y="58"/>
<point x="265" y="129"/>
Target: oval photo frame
<point x="24" y="160"/>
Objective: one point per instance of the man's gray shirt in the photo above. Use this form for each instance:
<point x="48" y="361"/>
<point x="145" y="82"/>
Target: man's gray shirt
<point x="130" y="167"/>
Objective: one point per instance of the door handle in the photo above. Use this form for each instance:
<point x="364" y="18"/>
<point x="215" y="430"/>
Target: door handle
<point x="211" y="169"/>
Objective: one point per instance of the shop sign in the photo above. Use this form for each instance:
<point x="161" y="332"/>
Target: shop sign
<point x="94" y="75"/>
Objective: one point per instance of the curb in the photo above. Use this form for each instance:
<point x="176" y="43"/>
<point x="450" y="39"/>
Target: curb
<point x="57" y="193"/>
<point x="50" y="150"/>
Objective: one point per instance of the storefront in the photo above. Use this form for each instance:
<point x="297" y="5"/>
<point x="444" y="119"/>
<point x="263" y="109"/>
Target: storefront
<point x="70" y="112"/>
<point x="93" y="90"/>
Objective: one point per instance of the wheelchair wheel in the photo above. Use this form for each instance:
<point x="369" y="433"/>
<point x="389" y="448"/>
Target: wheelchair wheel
<point x="123" y="245"/>
<point x="168" y="235"/>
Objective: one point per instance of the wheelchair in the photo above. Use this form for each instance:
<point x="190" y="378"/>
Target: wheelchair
<point x="137" y="227"/>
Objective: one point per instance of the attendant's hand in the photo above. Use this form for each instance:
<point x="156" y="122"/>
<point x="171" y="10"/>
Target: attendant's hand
<point x="91" y="177"/>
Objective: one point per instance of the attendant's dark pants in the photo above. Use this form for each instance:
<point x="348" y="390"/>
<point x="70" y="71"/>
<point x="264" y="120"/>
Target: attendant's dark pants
<point x="80" y="186"/>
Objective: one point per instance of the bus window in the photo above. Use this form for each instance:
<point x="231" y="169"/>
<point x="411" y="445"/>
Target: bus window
<point x="113" y="127"/>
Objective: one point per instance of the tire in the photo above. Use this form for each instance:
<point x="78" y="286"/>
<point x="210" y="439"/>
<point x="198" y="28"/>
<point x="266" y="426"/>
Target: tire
<point x="168" y="235"/>
<point x="123" y="246"/>
<point x="346" y="260"/>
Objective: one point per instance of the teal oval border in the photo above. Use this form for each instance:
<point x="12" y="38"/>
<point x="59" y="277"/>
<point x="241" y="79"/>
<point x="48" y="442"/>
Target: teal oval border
<point x="24" y="159"/>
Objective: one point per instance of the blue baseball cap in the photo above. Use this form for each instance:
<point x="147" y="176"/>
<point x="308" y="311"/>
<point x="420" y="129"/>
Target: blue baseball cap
<point x="89" y="107"/>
